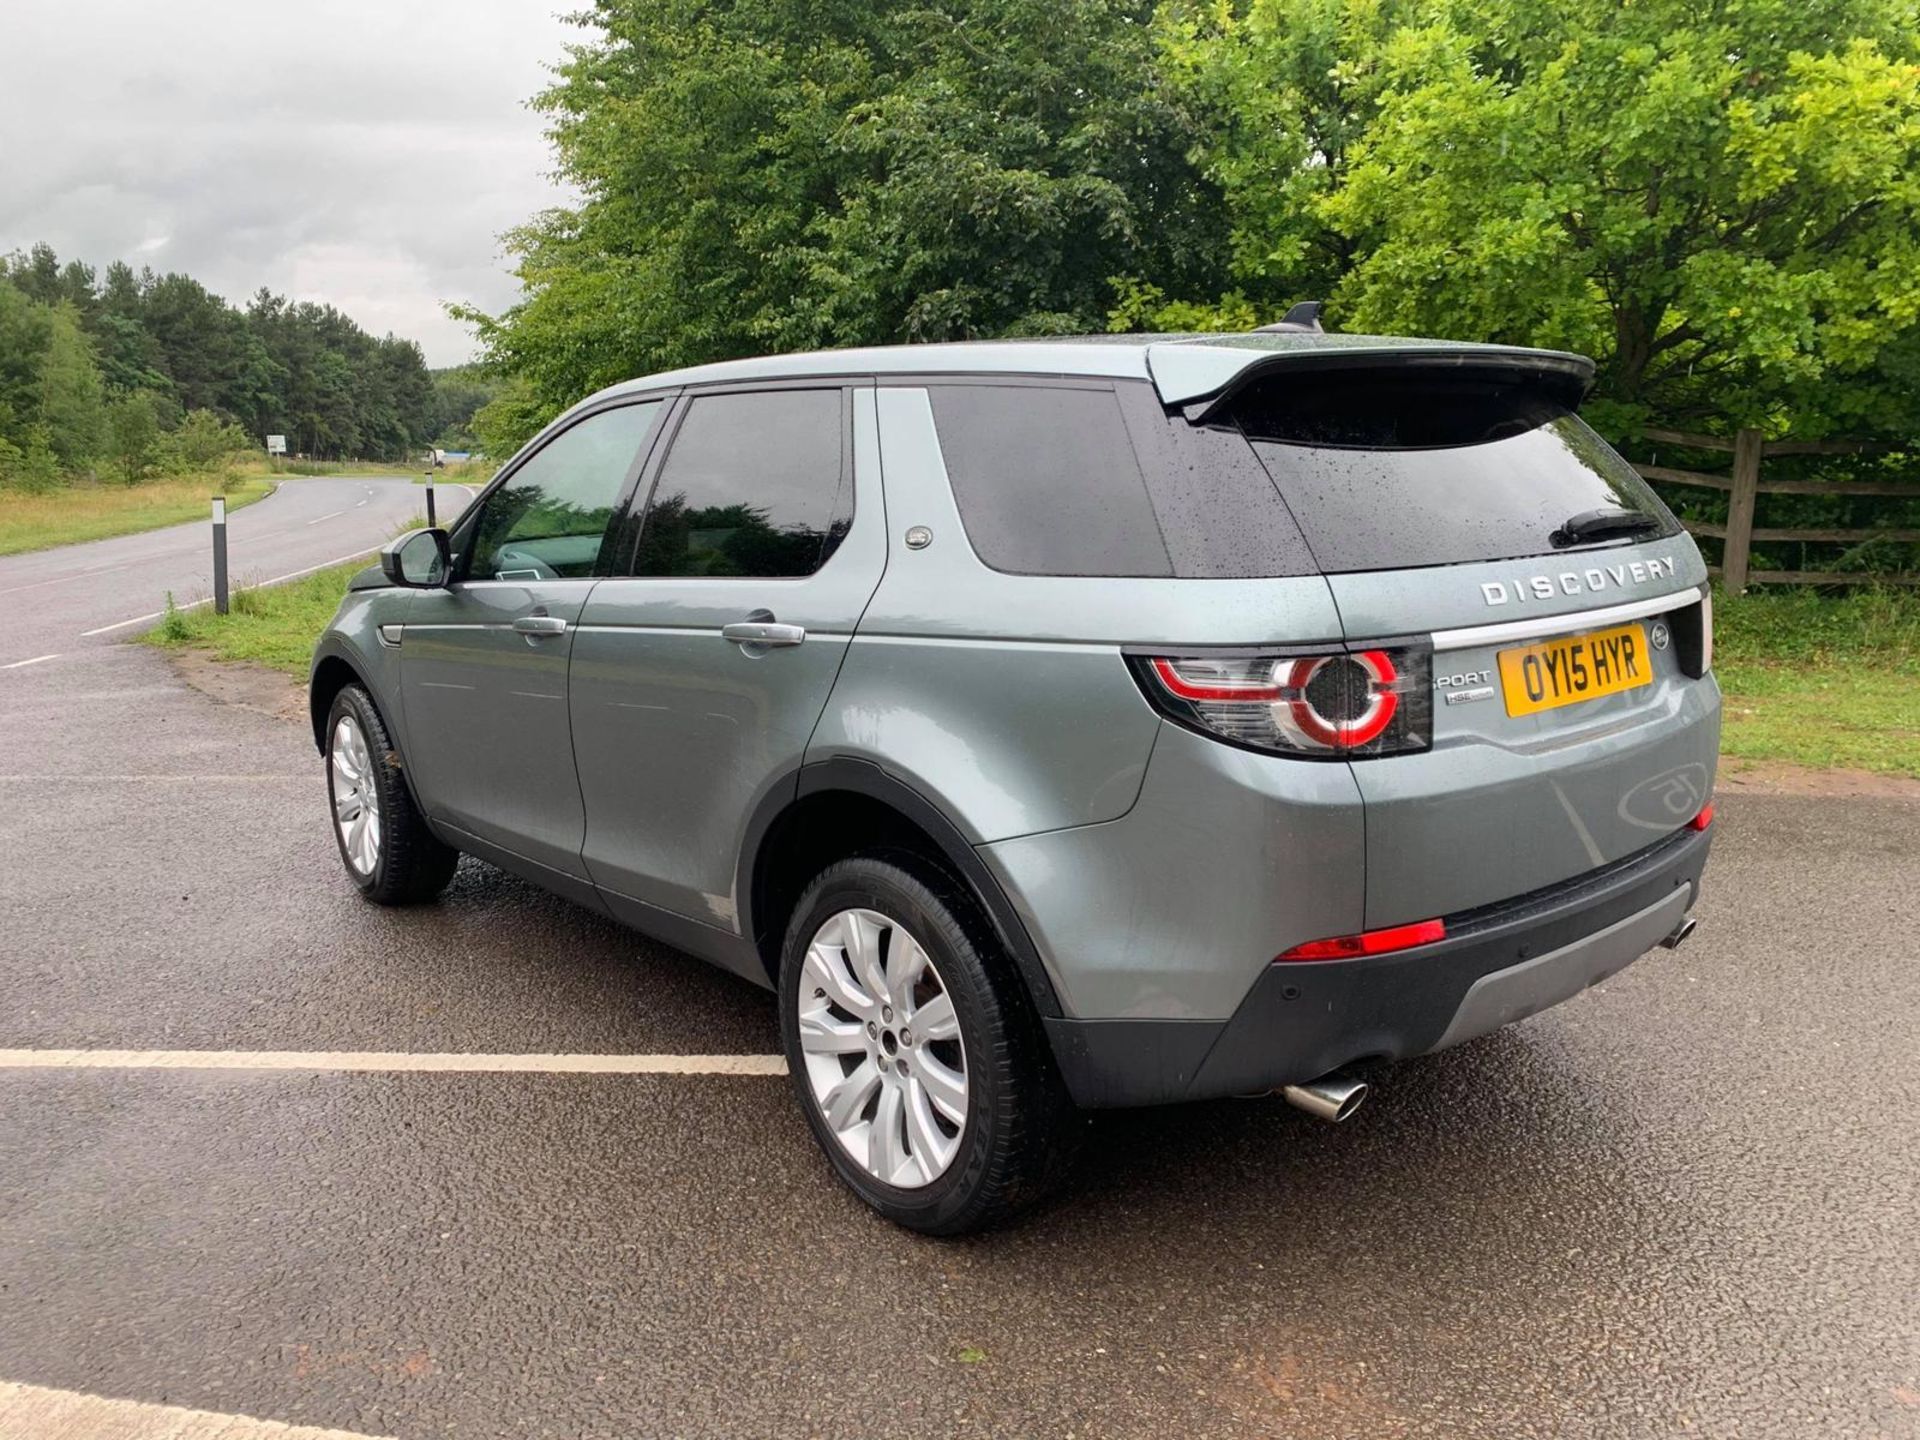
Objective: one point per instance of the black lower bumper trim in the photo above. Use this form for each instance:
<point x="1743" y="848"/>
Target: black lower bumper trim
<point x="1303" y="1020"/>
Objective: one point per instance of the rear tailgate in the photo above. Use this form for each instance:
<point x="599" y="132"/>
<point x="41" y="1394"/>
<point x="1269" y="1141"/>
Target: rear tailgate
<point x="1450" y="498"/>
<point x="1504" y="803"/>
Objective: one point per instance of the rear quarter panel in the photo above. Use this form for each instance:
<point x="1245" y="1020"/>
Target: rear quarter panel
<point x="1003" y="698"/>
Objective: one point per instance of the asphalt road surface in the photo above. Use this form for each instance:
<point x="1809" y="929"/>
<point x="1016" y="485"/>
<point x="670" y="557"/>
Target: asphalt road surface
<point x="53" y="602"/>
<point x="1684" y="1204"/>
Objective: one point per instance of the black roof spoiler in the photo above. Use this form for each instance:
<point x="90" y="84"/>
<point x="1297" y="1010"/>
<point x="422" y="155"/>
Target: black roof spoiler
<point x="1201" y="386"/>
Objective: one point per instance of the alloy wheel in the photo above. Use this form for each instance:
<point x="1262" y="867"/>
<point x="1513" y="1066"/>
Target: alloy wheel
<point x="356" y="796"/>
<point x="884" y="1060"/>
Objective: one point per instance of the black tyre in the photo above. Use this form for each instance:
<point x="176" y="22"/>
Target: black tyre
<point x="915" y="1052"/>
<point x="384" y="842"/>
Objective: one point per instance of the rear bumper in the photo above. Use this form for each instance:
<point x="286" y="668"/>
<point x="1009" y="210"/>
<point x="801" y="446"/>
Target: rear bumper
<point x="1498" y="964"/>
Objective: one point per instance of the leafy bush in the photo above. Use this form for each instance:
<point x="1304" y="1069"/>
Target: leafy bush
<point x="203" y="442"/>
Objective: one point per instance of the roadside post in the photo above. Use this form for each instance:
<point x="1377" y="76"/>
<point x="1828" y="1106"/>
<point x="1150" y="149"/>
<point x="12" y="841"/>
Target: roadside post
<point x="431" y="522"/>
<point x="220" y="554"/>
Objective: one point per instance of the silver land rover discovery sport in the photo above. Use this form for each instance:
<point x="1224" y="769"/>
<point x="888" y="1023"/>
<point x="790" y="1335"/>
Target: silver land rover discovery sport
<point x="1059" y="724"/>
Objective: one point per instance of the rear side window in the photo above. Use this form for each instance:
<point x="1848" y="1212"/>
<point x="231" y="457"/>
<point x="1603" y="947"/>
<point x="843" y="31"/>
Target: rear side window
<point x="1055" y="479"/>
<point x="1386" y="470"/>
<point x="756" y="485"/>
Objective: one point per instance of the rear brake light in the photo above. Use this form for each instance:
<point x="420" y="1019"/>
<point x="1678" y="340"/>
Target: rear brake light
<point x="1336" y="704"/>
<point x="1368" y="942"/>
<point x="1703" y="819"/>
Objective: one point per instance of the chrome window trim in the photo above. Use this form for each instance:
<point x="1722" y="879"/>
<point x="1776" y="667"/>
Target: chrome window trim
<point x="1535" y="626"/>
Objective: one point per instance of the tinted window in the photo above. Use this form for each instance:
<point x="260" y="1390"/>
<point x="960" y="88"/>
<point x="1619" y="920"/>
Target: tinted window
<point x="755" y="485"/>
<point x="547" y="520"/>
<point x="1387" y="470"/>
<point x="1058" y="480"/>
<point x="1046" y="480"/>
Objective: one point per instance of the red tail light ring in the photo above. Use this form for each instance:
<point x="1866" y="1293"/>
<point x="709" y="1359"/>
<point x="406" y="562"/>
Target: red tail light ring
<point x="1375" y="715"/>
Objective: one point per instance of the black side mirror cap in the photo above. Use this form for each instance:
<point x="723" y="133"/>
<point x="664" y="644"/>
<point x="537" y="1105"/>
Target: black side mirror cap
<point x="419" y="559"/>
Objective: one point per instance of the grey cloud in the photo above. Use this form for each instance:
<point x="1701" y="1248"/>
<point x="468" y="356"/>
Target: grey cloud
<point x="364" y="154"/>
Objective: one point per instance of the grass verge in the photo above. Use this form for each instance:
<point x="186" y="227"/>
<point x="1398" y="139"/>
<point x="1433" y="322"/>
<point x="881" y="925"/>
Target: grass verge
<point x="1819" y="681"/>
<point x="71" y="514"/>
<point x="273" y="625"/>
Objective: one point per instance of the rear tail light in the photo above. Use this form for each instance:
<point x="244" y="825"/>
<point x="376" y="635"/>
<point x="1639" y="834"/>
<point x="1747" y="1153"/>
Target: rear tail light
<point x="1703" y="819"/>
<point x="1693" y="635"/>
<point x="1368" y="942"/>
<point x="1334" y="704"/>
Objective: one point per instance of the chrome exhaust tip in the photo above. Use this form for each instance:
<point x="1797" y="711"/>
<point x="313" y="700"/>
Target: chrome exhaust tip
<point x="1680" y="933"/>
<point x="1332" y="1097"/>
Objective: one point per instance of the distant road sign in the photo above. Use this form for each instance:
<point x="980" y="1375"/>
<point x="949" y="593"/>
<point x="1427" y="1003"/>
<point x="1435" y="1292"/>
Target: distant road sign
<point x="276" y="444"/>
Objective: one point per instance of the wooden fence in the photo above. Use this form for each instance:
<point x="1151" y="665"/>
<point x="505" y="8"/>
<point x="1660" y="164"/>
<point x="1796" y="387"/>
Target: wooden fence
<point x="1746" y="487"/>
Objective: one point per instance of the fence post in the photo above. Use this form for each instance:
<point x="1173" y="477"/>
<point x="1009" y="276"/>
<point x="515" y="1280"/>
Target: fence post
<point x="1746" y="494"/>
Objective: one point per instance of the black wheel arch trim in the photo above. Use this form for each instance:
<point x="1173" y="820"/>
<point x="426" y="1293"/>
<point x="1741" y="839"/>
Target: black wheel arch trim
<point x="866" y="778"/>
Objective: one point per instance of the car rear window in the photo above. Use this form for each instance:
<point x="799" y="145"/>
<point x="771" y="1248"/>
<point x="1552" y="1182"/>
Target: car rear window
<point x="1387" y="470"/>
<point x="1057" y="478"/>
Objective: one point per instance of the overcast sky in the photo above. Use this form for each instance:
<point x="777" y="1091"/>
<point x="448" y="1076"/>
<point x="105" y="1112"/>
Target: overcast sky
<point x="361" y="153"/>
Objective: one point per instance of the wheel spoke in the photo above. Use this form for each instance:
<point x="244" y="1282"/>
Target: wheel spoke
<point x="887" y="1144"/>
<point x="946" y="1087"/>
<point x="863" y="952"/>
<point x="935" y="1020"/>
<point x="347" y="806"/>
<point x="844" y="1102"/>
<point x="906" y="963"/>
<point x="821" y="1034"/>
<point x="931" y="1148"/>
<point x="826" y="970"/>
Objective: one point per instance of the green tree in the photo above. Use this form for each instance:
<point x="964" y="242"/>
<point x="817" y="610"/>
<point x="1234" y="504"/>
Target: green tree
<point x="133" y="434"/>
<point x="204" y="440"/>
<point x="26" y="330"/>
<point x="776" y="174"/>
<point x="73" y="406"/>
<point x="1721" y="202"/>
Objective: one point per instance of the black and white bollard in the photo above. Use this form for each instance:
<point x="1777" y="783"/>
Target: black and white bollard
<point x="220" y="554"/>
<point x="431" y="522"/>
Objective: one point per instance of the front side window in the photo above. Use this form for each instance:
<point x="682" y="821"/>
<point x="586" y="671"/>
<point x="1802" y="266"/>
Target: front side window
<point x="755" y="486"/>
<point x="547" y="521"/>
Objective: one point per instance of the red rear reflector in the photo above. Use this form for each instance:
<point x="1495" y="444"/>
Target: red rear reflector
<point x="1703" y="819"/>
<point x="1369" y="942"/>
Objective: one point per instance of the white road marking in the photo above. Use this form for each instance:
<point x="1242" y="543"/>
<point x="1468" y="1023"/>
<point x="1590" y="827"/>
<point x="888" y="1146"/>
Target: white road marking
<point x="18" y="664"/>
<point x="196" y="604"/>
<point x="334" y="1060"/>
<point x="33" y="1412"/>
<point x="149" y="779"/>
<point x="318" y="518"/>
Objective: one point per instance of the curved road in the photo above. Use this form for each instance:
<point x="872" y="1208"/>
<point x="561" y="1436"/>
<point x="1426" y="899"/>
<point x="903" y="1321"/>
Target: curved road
<point x="54" y="602"/>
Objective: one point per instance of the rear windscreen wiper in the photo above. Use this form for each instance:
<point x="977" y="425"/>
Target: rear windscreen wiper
<point x="1604" y="525"/>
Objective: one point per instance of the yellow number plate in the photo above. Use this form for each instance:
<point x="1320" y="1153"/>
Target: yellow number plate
<point x="1579" y="667"/>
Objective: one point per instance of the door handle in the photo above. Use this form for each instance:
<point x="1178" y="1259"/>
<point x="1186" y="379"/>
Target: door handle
<point x="540" y="625"/>
<point x="763" y="633"/>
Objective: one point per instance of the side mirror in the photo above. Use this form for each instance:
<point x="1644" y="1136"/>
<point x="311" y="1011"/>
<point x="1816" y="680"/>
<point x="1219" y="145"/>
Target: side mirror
<point x="418" y="559"/>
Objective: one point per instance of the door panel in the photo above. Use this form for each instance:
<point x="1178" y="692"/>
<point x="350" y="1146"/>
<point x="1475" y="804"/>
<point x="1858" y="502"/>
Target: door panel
<point x="487" y="714"/>
<point x="483" y="662"/>
<point x="678" y="730"/>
